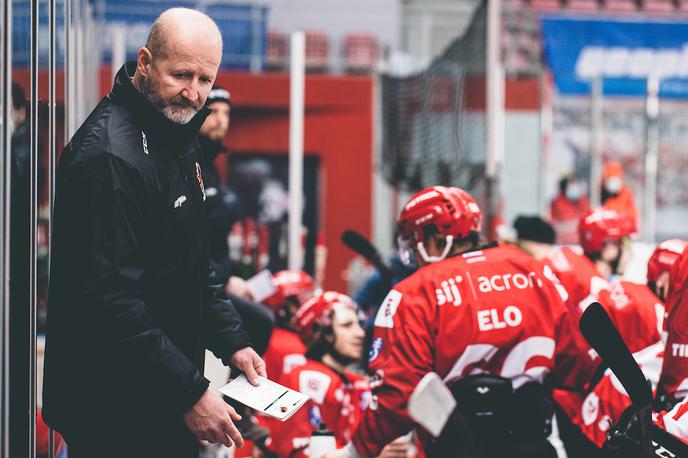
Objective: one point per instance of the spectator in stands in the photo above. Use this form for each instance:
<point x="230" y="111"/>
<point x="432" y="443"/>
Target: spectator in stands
<point x="615" y="194"/>
<point x="567" y="208"/>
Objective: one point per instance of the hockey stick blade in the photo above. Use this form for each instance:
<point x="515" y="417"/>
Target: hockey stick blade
<point x="600" y="332"/>
<point x="362" y="246"/>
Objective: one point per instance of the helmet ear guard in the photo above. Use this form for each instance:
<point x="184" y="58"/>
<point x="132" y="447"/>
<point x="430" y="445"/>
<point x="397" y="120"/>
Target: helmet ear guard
<point x="430" y="259"/>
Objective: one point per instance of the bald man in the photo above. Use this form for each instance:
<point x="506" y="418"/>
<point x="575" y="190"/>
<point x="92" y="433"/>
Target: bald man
<point x="133" y="304"/>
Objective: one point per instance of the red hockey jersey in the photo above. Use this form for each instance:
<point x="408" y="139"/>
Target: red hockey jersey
<point x="635" y="310"/>
<point x="337" y="399"/>
<point x="638" y="315"/>
<point x="579" y="276"/>
<point x="496" y="310"/>
<point x="674" y="378"/>
<point x="285" y="352"/>
<point x="676" y="420"/>
<point x="609" y="399"/>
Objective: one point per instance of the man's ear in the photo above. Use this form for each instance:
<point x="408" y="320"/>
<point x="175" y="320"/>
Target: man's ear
<point x="144" y="60"/>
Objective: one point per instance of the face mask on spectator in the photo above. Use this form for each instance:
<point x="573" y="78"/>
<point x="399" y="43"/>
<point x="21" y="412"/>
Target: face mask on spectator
<point x="573" y="191"/>
<point x="613" y="185"/>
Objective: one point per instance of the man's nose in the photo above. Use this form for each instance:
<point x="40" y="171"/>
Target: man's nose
<point x="190" y="92"/>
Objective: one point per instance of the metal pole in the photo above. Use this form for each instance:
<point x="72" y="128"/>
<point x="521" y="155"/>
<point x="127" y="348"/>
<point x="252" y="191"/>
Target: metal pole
<point x="256" y="61"/>
<point x="651" y="158"/>
<point x="494" y="142"/>
<point x="5" y="226"/>
<point x="296" y="113"/>
<point x="78" y="75"/>
<point x="33" y="227"/>
<point x="52" y="146"/>
<point x="68" y="57"/>
<point x="596" y="99"/>
<point x="52" y="133"/>
<point x="119" y="48"/>
<point x="546" y="128"/>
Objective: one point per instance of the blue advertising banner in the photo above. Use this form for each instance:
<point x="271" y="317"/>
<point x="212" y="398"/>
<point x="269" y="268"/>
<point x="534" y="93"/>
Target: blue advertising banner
<point x="624" y="52"/>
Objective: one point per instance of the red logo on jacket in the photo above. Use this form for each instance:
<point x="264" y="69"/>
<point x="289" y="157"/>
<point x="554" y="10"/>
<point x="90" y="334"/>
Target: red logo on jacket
<point x="200" y="179"/>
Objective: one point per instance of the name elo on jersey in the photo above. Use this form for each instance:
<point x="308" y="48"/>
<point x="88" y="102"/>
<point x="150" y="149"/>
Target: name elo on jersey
<point x="492" y="319"/>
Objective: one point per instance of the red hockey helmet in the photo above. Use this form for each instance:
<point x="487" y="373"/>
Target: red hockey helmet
<point x="318" y="313"/>
<point x="664" y="257"/>
<point x="452" y="211"/>
<point x="290" y="283"/>
<point x="600" y="225"/>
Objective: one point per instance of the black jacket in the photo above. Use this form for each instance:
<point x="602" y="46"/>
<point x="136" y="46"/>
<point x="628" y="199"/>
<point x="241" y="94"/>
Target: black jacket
<point x="132" y="301"/>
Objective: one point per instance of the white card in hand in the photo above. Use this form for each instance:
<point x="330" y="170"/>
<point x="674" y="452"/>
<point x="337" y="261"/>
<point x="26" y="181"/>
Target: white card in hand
<point x="261" y="285"/>
<point x="269" y="397"/>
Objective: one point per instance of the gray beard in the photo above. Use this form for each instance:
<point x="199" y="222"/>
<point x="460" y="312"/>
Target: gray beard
<point x="177" y="110"/>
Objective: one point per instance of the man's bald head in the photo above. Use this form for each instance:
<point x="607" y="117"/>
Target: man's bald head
<point x="178" y="66"/>
<point x="182" y="24"/>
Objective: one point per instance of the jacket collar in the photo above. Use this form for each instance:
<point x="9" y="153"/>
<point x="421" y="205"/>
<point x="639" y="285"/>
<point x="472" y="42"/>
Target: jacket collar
<point x="151" y="120"/>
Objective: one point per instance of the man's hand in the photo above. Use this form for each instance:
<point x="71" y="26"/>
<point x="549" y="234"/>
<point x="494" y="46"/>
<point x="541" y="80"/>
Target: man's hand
<point x="252" y="365"/>
<point x="396" y="449"/>
<point x="210" y="419"/>
<point x="238" y="287"/>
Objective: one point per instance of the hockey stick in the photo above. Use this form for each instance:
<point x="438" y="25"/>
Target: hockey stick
<point x="600" y="332"/>
<point x="362" y="246"/>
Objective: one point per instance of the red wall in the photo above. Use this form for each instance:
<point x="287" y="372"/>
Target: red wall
<point x="338" y="129"/>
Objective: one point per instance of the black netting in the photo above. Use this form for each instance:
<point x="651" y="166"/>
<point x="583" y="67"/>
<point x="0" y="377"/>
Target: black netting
<point x="433" y="123"/>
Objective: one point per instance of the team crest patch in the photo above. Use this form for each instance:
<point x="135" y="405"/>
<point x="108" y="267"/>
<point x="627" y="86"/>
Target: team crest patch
<point x="375" y="348"/>
<point x="200" y="179"/>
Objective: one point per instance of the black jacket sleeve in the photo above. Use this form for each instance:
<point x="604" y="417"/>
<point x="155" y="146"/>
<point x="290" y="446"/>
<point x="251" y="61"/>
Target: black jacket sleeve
<point x="222" y="324"/>
<point x="114" y="203"/>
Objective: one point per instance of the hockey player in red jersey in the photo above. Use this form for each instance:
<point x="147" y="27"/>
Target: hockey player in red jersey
<point x="635" y="310"/>
<point x="674" y="379"/>
<point x="477" y="316"/>
<point x="604" y="240"/>
<point x="329" y="325"/>
<point x="660" y="264"/>
<point x="638" y="314"/>
<point x="286" y="350"/>
<point x="665" y="276"/>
